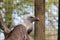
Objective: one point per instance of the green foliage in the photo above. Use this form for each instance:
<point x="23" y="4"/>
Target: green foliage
<point x="49" y="3"/>
<point x="8" y="1"/>
<point x="29" y="2"/>
<point x="25" y="12"/>
<point x="8" y="18"/>
<point x="9" y="7"/>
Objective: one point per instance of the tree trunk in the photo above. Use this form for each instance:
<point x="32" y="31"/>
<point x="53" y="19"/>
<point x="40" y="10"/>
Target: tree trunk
<point x="40" y="26"/>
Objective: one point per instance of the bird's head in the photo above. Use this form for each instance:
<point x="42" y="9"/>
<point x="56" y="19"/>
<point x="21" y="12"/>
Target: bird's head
<point x="28" y="22"/>
<point x="30" y="18"/>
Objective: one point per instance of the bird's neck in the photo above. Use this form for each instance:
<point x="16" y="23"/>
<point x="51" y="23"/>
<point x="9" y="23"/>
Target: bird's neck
<point x="27" y="24"/>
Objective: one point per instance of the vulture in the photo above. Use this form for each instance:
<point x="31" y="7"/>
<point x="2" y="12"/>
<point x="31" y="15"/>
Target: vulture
<point x="22" y="31"/>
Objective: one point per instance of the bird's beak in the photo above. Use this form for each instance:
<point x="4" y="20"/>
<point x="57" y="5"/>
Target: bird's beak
<point x="35" y="19"/>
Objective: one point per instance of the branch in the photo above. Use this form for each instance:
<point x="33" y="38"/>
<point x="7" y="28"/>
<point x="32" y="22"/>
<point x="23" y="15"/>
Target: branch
<point x="3" y="25"/>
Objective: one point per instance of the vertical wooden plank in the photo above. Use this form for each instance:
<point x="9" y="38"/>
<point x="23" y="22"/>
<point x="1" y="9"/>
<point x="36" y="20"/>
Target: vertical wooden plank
<point x="40" y="26"/>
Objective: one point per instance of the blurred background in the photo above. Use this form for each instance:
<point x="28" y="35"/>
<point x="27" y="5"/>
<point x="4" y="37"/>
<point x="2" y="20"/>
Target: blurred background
<point x="14" y="10"/>
<point x="51" y="19"/>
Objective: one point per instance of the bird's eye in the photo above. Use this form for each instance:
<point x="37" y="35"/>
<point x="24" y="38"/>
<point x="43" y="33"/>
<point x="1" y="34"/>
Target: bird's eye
<point x="31" y="17"/>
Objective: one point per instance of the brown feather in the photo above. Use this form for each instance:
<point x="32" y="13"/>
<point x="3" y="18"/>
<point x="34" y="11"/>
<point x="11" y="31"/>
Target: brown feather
<point x="19" y="33"/>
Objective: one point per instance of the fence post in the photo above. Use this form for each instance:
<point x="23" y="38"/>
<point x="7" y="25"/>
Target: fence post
<point x="40" y="26"/>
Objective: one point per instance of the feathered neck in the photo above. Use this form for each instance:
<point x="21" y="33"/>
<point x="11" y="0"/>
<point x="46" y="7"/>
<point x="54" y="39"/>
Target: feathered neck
<point x="27" y="24"/>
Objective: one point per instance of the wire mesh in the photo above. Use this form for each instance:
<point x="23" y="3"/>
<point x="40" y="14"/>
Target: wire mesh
<point x="51" y="16"/>
<point x="51" y="19"/>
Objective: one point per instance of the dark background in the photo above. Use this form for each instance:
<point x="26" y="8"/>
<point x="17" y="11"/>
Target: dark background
<point x="59" y="23"/>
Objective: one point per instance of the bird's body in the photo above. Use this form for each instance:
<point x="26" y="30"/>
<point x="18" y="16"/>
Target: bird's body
<point x="18" y="33"/>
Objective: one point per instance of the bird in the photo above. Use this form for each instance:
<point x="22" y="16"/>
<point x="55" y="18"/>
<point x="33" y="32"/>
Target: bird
<point x="22" y="31"/>
<point x="28" y="22"/>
